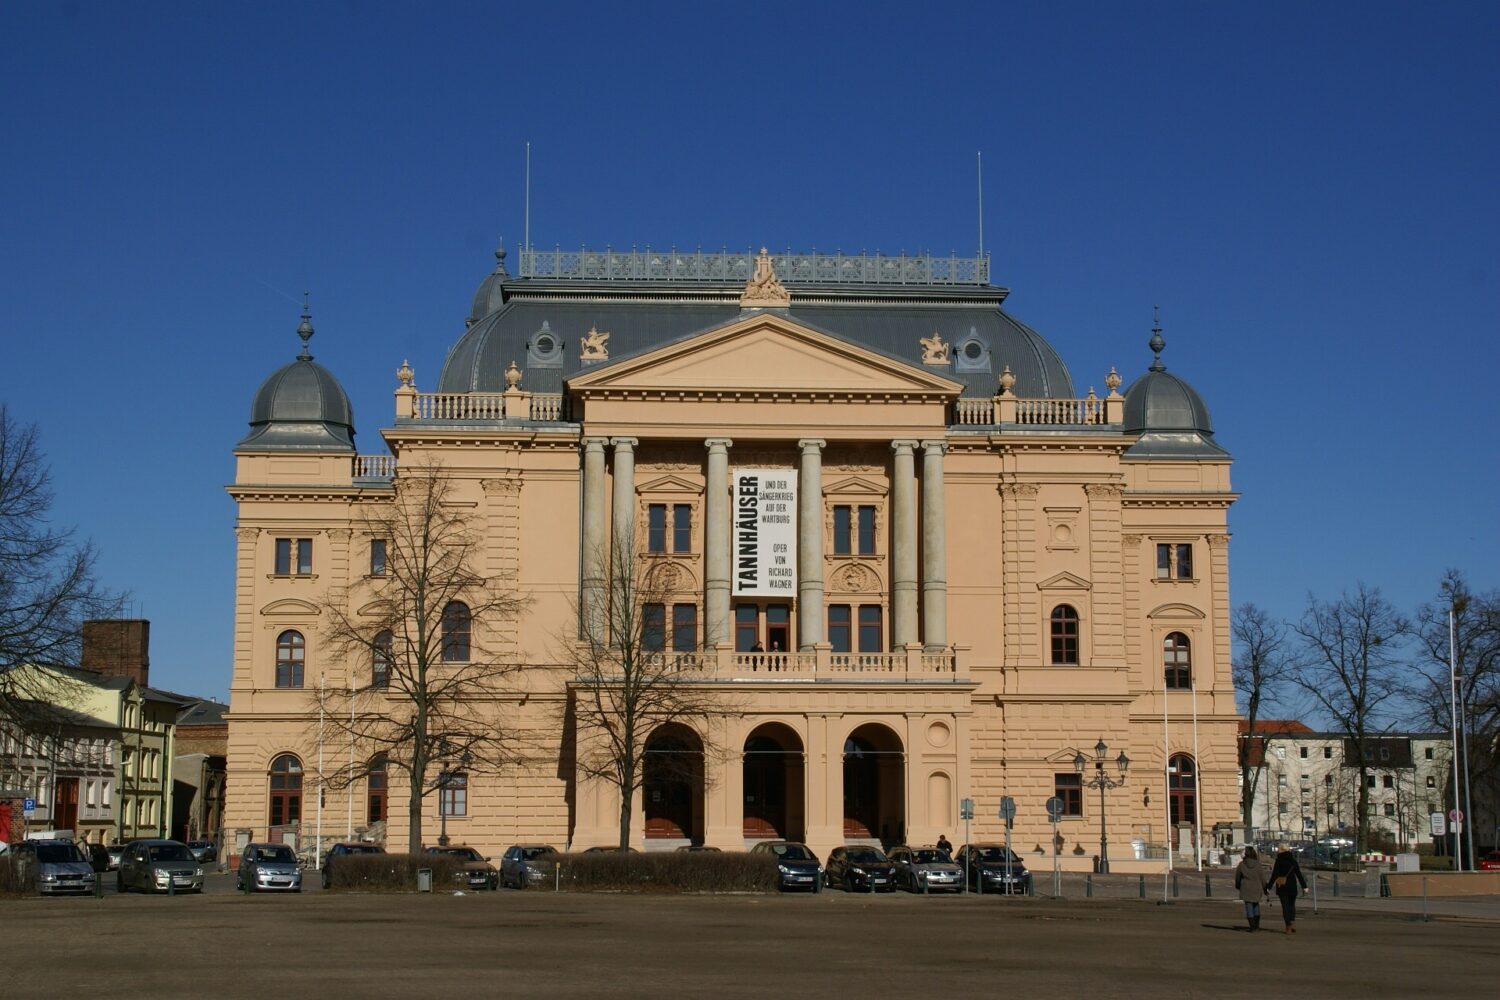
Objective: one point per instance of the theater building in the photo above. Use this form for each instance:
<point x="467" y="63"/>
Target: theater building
<point x="919" y="565"/>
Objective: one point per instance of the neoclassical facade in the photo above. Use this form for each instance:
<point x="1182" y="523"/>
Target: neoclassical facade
<point x="912" y="562"/>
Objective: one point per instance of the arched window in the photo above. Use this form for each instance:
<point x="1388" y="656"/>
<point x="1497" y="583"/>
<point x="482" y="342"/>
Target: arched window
<point x="381" y="656"/>
<point x="286" y="790"/>
<point x="456" y="632"/>
<point x="1064" y="636"/>
<point x="375" y="782"/>
<point x="1177" y="661"/>
<point x="1182" y="790"/>
<point x="291" y="653"/>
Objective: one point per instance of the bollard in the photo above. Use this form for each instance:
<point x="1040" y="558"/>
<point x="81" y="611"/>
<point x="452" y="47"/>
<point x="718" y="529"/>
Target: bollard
<point x="1425" y="918"/>
<point x="1143" y="887"/>
<point x="1208" y="888"/>
<point x="1335" y="883"/>
<point x="99" y="885"/>
<point x="557" y="876"/>
<point x="1088" y="886"/>
<point x="1174" y="885"/>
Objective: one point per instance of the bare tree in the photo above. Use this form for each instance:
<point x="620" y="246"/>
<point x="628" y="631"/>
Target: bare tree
<point x="626" y="686"/>
<point x="1260" y="665"/>
<point x="421" y="637"/>
<point x="1351" y="654"/>
<point x="47" y="583"/>
<point x="1476" y="660"/>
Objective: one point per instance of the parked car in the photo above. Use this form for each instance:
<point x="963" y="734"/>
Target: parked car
<point x="1490" y="862"/>
<point x="525" y="865"/>
<point x="158" y="866"/>
<point x="994" y="866"/>
<point x="860" y="867"/>
<point x="115" y="851"/>
<point x="926" y="869"/>
<point x="610" y="850"/>
<point x="697" y="849"/>
<point x="204" y="851"/>
<point x="268" y="868"/>
<point x="332" y="855"/>
<point x="58" y="867"/>
<point x="477" y="872"/>
<point x="796" y="866"/>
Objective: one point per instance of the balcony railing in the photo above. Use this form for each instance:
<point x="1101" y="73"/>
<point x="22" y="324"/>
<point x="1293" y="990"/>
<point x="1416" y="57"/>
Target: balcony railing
<point x="732" y="267"/>
<point x="1088" y="412"/>
<point x="486" y="406"/>
<point x="912" y="664"/>
<point x="374" y="466"/>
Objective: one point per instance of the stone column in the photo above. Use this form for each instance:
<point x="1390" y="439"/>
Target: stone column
<point x="716" y="543"/>
<point x="810" y="545"/>
<point x="903" y="545"/>
<point x="622" y="518"/>
<point x="934" y="549"/>
<point x="591" y="592"/>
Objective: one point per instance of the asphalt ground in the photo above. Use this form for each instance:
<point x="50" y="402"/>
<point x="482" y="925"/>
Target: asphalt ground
<point x="829" y="945"/>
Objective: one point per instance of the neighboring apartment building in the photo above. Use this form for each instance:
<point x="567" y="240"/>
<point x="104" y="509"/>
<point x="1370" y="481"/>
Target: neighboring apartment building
<point x="1307" y="783"/>
<point x="972" y="570"/>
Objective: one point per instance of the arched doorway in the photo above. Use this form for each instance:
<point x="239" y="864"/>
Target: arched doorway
<point x="286" y="791"/>
<point x="774" y="784"/>
<point x="874" y="785"/>
<point x="672" y="784"/>
<point x="1182" y="790"/>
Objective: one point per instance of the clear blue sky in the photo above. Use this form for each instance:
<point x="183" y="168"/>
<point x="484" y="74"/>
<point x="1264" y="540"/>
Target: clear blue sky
<point x="1309" y="191"/>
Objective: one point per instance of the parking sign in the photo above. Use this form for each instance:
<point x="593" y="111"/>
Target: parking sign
<point x="28" y="806"/>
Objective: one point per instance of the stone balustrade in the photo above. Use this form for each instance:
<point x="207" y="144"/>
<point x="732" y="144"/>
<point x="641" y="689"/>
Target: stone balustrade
<point x="374" y="466"/>
<point x="912" y="664"/>
<point x="485" y="407"/>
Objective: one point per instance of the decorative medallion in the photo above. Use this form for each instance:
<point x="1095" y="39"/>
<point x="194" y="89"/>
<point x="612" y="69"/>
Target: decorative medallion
<point x="938" y="734"/>
<point x="854" y="579"/>
<point x="764" y="290"/>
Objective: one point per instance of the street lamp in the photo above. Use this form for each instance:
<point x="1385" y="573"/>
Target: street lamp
<point x="1102" y="781"/>
<point x="444" y="777"/>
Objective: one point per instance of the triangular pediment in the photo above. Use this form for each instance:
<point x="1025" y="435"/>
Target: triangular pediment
<point x="1064" y="581"/>
<point x="763" y="353"/>
<point x="855" y="486"/>
<point x="669" y="484"/>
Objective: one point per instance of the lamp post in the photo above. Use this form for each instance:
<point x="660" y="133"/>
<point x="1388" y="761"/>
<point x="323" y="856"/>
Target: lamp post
<point x="1102" y="781"/>
<point x="444" y="777"/>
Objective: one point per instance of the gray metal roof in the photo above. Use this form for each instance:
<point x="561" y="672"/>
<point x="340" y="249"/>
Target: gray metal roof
<point x="892" y="320"/>
<point x="1168" y="414"/>
<point x="301" y="407"/>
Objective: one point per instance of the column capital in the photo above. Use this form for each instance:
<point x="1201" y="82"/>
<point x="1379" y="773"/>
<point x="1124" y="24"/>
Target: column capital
<point x="812" y="444"/>
<point x="718" y="444"/>
<point x="903" y="447"/>
<point x="934" y="447"/>
<point x="625" y="442"/>
<point x="595" y="443"/>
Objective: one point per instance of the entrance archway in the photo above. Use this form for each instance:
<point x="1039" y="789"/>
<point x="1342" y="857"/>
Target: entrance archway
<point x="874" y="785"/>
<point x="774" y="784"/>
<point x="672" y="784"/>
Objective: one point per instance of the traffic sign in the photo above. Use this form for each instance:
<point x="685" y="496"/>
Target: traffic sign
<point x="28" y="805"/>
<point x="1456" y="815"/>
<point x="1439" y="826"/>
<point x="1008" y="809"/>
<point x="1054" y="808"/>
<point x="966" y="809"/>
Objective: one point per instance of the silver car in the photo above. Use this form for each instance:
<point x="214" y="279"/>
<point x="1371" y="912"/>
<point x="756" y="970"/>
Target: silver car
<point x="158" y="866"/>
<point x="58" y="866"/>
<point x="926" y="869"/>
<point x="525" y="865"/>
<point x="268" y="868"/>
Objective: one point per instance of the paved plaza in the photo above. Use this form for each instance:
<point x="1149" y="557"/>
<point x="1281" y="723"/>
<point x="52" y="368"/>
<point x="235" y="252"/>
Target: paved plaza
<point x="540" y="944"/>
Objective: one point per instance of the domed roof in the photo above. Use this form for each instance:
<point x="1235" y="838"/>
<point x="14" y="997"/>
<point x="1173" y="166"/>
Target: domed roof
<point x="301" y="407"/>
<point x="490" y="296"/>
<point x="1168" y="413"/>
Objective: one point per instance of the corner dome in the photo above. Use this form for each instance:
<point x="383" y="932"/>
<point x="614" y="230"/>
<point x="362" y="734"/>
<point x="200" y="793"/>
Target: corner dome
<point x="491" y="293"/>
<point x="1168" y="414"/>
<point x="301" y="407"/>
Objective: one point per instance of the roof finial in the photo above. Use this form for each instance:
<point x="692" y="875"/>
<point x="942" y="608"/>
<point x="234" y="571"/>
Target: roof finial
<point x="500" y="258"/>
<point x="1156" y="343"/>
<point x="305" y="329"/>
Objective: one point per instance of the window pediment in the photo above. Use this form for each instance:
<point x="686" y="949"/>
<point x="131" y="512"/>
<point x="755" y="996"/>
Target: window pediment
<point x="1064" y="582"/>
<point x="855" y="486"/>
<point x="1176" y="611"/>
<point x="670" y="485"/>
<point x="290" y="607"/>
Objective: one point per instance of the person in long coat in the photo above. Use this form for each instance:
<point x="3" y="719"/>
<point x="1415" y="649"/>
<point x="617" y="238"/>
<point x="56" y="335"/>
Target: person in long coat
<point x="1287" y="882"/>
<point x="1250" y="880"/>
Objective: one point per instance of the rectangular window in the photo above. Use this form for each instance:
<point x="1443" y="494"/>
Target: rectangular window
<point x="684" y="628"/>
<point x="746" y="628"/>
<point x="1389" y="781"/>
<point x="682" y="528"/>
<point x="1281" y="780"/>
<point x="841" y="526"/>
<point x="1428" y="753"/>
<point x="1184" y="562"/>
<point x="377" y="557"/>
<point x="1431" y="781"/>
<point x="1328" y="753"/>
<point x="454" y="798"/>
<point x="1328" y="809"/>
<point x="866" y="531"/>
<point x="1328" y="780"/>
<point x="839" y="636"/>
<point x="1370" y="781"/>
<point x="1302" y="751"/>
<point x="1282" y="809"/>
<point x="653" y="627"/>
<point x="656" y="527"/>
<point x="1390" y="808"/>
<point x="1164" y="562"/>
<point x="1069" y="788"/>
<point x="293" y="556"/>
<point x="871" y="635"/>
<point x="778" y="628"/>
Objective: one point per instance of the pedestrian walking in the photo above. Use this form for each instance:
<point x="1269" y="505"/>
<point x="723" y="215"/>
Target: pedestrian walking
<point x="1287" y="882"/>
<point x="1250" y="880"/>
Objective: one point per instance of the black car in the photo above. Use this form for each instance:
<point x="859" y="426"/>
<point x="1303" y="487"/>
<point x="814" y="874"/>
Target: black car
<point x="994" y="868"/>
<point x="476" y="873"/>
<point x="861" y="868"/>
<point x="796" y="866"/>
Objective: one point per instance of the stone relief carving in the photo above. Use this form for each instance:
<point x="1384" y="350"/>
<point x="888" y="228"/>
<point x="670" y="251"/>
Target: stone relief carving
<point x="1218" y="541"/>
<point x="934" y="350"/>
<point x="1103" y="491"/>
<point x="501" y="487"/>
<point x="764" y="289"/>
<point x="594" y="346"/>
<point x="854" y="579"/>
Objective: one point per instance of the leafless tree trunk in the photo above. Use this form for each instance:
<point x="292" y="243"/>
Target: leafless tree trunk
<point x="1259" y="667"/>
<point x="627" y="685"/>
<point x="47" y="584"/>
<point x="1349" y="667"/>
<point x="424" y="681"/>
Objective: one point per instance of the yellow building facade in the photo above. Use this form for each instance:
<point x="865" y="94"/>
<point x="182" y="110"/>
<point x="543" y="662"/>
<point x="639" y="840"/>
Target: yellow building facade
<point x="960" y="575"/>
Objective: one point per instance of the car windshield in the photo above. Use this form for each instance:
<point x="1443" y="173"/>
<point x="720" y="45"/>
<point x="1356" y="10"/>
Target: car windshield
<point x="866" y="854"/>
<point x="170" y="852"/>
<point x="279" y="852"/>
<point x="362" y="849"/>
<point x="58" y="854"/>
<point x="930" y="857"/>
<point x="462" y="853"/>
<point x="532" y="853"/>
<point x="793" y="852"/>
<point x="996" y="854"/>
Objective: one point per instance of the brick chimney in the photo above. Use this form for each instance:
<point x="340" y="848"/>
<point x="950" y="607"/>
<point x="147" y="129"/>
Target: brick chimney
<point x="118" y="647"/>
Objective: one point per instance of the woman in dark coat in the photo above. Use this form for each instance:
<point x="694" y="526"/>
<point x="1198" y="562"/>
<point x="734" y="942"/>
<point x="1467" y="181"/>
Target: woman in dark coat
<point x="1287" y="882"/>
<point x="1250" y="880"/>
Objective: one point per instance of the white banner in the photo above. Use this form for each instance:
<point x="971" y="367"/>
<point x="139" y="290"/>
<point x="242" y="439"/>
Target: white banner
<point x="765" y="532"/>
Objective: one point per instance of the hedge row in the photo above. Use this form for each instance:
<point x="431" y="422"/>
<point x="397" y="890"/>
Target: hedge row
<point x="391" y="872"/>
<point x="14" y="880"/>
<point x="607" y="871"/>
